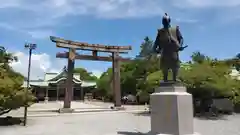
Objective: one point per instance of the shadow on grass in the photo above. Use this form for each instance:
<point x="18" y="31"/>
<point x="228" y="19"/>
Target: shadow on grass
<point x="9" y="121"/>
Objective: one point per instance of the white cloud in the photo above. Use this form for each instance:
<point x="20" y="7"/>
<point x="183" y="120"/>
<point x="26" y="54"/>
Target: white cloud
<point x="206" y="3"/>
<point x="9" y="3"/>
<point x="40" y="64"/>
<point x="217" y="11"/>
<point x="182" y="20"/>
<point x="41" y="34"/>
<point x="103" y="8"/>
<point x="47" y="10"/>
<point x="97" y="73"/>
<point x="39" y="17"/>
<point x="35" y="33"/>
<point x="6" y="26"/>
<point x="128" y="9"/>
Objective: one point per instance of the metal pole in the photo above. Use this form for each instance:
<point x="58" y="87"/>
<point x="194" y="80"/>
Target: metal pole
<point x="26" y="91"/>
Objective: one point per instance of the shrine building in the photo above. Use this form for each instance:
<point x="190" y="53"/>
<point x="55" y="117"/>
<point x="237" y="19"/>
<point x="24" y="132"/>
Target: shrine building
<point x="53" y="86"/>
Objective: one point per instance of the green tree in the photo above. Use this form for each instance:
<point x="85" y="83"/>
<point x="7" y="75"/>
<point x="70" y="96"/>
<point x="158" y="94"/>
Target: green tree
<point x="237" y="62"/>
<point x="12" y="94"/>
<point x="203" y="76"/>
<point x="128" y="80"/>
<point x="134" y="73"/>
<point x="85" y="75"/>
<point x="6" y="58"/>
<point x="146" y="48"/>
<point x="208" y="79"/>
<point x="233" y="62"/>
<point x="104" y="85"/>
<point x="198" y="57"/>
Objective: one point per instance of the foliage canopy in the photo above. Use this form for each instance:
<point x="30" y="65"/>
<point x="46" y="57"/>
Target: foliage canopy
<point x="12" y="94"/>
<point x="85" y="75"/>
<point x="203" y="76"/>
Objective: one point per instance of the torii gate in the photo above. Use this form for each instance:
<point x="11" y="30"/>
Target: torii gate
<point x="72" y="46"/>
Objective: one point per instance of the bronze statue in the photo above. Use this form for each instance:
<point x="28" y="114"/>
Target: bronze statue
<point x="168" y="43"/>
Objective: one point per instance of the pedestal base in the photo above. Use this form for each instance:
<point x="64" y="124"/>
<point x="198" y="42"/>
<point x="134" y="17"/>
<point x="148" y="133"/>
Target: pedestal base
<point x="171" y="111"/>
<point x="46" y="99"/>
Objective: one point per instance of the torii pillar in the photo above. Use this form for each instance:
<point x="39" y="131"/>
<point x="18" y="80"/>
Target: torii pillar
<point x="69" y="84"/>
<point x="116" y="79"/>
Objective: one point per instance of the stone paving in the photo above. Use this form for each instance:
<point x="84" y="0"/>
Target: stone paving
<point x="108" y="123"/>
<point x="50" y="108"/>
<point x="59" y="104"/>
<point x="112" y="123"/>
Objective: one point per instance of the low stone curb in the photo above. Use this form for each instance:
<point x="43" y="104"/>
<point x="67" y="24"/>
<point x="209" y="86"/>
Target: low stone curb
<point x="79" y="113"/>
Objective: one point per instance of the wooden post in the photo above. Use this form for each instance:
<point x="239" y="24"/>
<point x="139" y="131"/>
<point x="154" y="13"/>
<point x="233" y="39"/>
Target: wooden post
<point x="46" y="95"/>
<point x="46" y="92"/>
<point x="57" y="92"/>
<point x="69" y="84"/>
<point x="82" y="93"/>
<point x="116" y="80"/>
<point x="73" y="90"/>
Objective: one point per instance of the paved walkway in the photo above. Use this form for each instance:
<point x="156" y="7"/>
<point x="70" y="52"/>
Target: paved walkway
<point x="112" y="123"/>
<point x="127" y="107"/>
<point x="59" y="104"/>
<point x="50" y="108"/>
<point x="80" y="105"/>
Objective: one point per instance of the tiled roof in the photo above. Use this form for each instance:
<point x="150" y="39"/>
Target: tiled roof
<point x="35" y="83"/>
<point x="45" y="84"/>
<point x="56" y="77"/>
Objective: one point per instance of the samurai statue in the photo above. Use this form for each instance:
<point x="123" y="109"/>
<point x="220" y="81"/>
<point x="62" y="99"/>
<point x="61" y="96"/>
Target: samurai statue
<point x="168" y="43"/>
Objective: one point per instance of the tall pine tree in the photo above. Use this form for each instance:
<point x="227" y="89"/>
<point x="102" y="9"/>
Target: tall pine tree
<point x="237" y="65"/>
<point x="146" y="48"/>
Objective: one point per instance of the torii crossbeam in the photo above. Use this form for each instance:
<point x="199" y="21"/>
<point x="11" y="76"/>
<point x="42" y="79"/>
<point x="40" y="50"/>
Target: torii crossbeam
<point x="72" y="55"/>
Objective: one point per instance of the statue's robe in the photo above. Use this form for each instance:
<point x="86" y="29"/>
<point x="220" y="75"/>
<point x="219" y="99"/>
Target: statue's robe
<point x="168" y="43"/>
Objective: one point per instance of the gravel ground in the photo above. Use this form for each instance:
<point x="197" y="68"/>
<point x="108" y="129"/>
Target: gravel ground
<point x="112" y="123"/>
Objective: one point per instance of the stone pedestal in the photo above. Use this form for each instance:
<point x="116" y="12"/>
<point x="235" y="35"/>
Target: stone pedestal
<point x="171" y="110"/>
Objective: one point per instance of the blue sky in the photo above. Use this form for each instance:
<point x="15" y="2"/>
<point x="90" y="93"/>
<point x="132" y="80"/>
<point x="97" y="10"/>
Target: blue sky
<point x="209" y="26"/>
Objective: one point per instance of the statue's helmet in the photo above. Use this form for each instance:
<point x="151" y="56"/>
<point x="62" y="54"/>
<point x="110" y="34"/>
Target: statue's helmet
<point x="166" y="20"/>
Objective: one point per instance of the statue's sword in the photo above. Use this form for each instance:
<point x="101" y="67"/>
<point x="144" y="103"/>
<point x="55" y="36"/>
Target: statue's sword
<point x="183" y="47"/>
